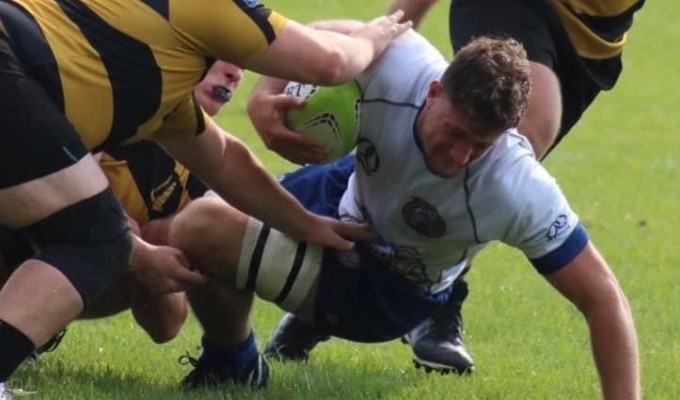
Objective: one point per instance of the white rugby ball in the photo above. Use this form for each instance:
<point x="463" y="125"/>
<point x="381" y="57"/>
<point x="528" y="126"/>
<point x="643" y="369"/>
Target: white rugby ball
<point x="330" y="113"/>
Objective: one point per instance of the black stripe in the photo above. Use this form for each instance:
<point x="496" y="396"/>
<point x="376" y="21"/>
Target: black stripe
<point x="135" y="78"/>
<point x="256" y="259"/>
<point x="613" y="27"/>
<point x="467" y="204"/>
<point x="162" y="7"/>
<point x="295" y="271"/>
<point x="200" y="120"/>
<point x="31" y="47"/>
<point x="259" y="14"/>
<point x="153" y="171"/>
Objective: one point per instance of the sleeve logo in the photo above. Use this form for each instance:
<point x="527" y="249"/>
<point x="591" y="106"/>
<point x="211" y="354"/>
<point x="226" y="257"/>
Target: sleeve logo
<point x="559" y="225"/>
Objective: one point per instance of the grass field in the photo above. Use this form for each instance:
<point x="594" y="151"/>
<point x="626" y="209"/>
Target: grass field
<point x="620" y="167"/>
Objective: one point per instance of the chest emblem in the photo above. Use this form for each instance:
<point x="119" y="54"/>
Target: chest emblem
<point x="423" y="218"/>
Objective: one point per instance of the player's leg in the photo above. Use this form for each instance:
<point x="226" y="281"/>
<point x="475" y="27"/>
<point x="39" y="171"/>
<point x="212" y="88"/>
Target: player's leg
<point x="212" y="233"/>
<point x="437" y="343"/>
<point x="319" y="188"/>
<point x="54" y="191"/>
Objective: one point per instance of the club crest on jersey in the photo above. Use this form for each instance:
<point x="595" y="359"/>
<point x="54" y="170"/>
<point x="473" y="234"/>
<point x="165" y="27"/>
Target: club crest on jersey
<point x="161" y="194"/>
<point x="368" y="157"/>
<point x="423" y="218"/>
<point x="559" y="225"/>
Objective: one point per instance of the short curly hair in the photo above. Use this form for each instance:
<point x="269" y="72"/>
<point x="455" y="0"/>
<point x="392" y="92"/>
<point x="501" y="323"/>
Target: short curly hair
<point x="489" y="80"/>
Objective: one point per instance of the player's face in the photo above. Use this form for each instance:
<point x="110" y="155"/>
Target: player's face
<point x="218" y="86"/>
<point x="450" y="140"/>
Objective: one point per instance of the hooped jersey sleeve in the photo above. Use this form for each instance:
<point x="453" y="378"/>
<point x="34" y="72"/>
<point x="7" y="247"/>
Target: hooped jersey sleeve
<point x="206" y="24"/>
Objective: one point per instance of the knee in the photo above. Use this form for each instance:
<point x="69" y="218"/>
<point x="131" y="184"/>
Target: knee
<point x="89" y="243"/>
<point x="209" y="231"/>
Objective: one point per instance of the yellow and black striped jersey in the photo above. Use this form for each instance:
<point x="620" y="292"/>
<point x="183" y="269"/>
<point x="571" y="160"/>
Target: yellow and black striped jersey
<point x="597" y="28"/>
<point x="123" y="69"/>
<point x="149" y="183"/>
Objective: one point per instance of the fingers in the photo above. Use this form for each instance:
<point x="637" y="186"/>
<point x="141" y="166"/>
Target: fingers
<point x="355" y="232"/>
<point x="342" y="235"/>
<point x="186" y="277"/>
<point x="295" y="147"/>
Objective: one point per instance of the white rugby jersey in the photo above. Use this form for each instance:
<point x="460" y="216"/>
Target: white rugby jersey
<point x="429" y="227"/>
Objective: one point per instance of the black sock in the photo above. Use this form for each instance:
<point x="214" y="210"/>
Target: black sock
<point x="14" y="348"/>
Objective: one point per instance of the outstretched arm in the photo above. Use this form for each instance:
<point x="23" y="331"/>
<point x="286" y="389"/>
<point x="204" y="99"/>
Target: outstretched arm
<point x="301" y="53"/>
<point x="228" y="167"/>
<point x="588" y="282"/>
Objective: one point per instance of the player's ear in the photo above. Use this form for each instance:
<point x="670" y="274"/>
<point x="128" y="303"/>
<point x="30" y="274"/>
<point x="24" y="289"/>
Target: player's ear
<point x="435" y="89"/>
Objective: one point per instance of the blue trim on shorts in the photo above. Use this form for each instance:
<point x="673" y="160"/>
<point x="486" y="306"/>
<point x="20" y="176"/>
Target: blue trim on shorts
<point x="563" y="255"/>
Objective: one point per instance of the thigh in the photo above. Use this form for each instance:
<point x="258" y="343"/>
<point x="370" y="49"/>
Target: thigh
<point x="519" y="19"/>
<point x="358" y="298"/>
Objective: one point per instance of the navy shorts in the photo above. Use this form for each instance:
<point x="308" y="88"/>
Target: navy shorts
<point x="357" y="297"/>
<point x="36" y="140"/>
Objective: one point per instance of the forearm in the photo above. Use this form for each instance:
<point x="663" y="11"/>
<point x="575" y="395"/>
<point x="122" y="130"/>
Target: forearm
<point x="615" y="348"/>
<point x="244" y="182"/>
<point x="414" y="10"/>
<point x="323" y="57"/>
<point x="590" y="285"/>
<point x="230" y="169"/>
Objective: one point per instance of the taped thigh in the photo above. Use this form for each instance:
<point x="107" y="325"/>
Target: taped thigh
<point x="278" y="268"/>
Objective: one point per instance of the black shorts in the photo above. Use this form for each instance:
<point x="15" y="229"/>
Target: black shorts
<point x="36" y="139"/>
<point x="535" y="24"/>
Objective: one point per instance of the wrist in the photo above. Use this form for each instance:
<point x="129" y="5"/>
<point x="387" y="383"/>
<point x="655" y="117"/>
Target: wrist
<point x="140" y="253"/>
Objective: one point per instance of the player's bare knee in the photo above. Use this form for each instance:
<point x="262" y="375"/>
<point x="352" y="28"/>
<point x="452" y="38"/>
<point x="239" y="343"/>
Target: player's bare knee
<point x="88" y="242"/>
<point x="210" y="232"/>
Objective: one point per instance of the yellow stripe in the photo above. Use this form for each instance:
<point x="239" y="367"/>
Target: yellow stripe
<point x="586" y="43"/>
<point x="180" y="69"/>
<point x="123" y="184"/>
<point x="599" y="8"/>
<point x="81" y="72"/>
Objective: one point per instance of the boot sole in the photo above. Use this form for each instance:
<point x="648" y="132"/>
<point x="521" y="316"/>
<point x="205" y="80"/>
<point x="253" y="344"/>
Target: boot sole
<point x="442" y="369"/>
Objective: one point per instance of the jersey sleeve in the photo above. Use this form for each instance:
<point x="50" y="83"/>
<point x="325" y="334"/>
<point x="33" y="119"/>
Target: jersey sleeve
<point x="235" y="31"/>
<point x="543" y="225"/>
<point x="188" y="118"/>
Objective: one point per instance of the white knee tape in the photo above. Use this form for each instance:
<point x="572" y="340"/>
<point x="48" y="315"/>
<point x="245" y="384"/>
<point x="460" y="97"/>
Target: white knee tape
<point x="278" y="268"/>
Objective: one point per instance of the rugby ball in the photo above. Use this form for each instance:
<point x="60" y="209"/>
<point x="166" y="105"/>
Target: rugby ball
<point x="330" y="113"/>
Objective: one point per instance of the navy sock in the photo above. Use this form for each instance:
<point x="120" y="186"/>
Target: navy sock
<point x="228" y="360"/>
<point x="14" y="348"/>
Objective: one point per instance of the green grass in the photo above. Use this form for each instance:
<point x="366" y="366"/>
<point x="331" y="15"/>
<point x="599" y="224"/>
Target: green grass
<point x="620" y="168"/>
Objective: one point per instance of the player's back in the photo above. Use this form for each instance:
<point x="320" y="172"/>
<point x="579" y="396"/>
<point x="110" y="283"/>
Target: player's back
<point x="118" y="68"/>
